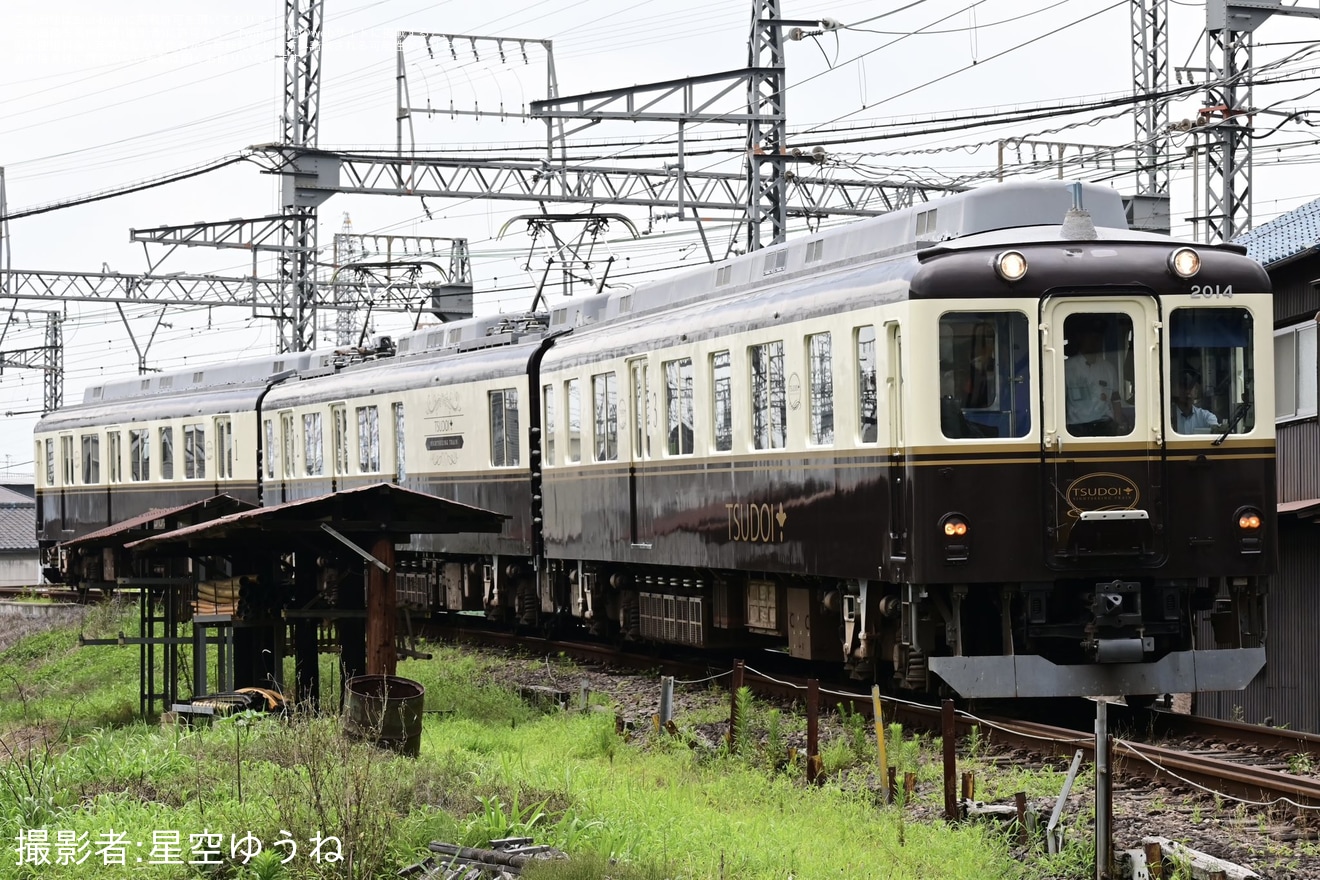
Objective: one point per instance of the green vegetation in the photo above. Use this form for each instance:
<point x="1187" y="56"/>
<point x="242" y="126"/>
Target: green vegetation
<point x="77" y="767"/>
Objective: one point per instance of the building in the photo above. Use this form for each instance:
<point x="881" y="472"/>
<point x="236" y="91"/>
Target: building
<point x="19" y="565"/>
<point x="1284" y="693"/>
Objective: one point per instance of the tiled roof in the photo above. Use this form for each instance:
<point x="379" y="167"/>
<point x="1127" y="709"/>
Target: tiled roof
<point x="18" y="527"/>
<point x="10" y="498"/>
<point x="1285" y="237"/>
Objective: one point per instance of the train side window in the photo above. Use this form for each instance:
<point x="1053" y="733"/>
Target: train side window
<point x="167" y="453"/>
<point x="224" y="449"/>
<point x="339" y="438"/>
<point x="400" y="445"/>
<point x="769" y="406"/>
<point x="313" y="445"/>
<point x="820" y="386"/>
<point x="678" y="406"/>
<point x="288" y="444"/>
<point x="642" y="420"/>
<point x="66" y="461"/>
<point x="867" y="402"/>
<point x="139" y="455"/>
<point x="50" y="461"/>
<point x="91" y="458"/>
<point x="985" y="380"/>
<point x="573" y="390"/>
<point x="1212" y="368"/>
<point x="548" y="424"/>
<point x="271" y="451"/>
<point x="194" y="452"/>
<point x="504" y="427"/>
<point x="368" y="419"/>
<point x="605" y="409"/>
<point x="721" y="381"/>
<point x="113" y="457"/>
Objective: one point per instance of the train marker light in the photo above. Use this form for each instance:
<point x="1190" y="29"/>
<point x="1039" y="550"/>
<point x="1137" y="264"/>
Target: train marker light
<point x="955" y="527"/>
<point x="1184" y="262"/>
<point x="1011" y="265"/>
<point x="1249" y="520"/>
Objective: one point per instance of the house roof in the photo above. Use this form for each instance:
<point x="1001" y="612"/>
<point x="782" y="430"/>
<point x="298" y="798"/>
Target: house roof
<point x="10" y="498"/>
<point x="1286" y="237"/>
<point x="18" y="527"/>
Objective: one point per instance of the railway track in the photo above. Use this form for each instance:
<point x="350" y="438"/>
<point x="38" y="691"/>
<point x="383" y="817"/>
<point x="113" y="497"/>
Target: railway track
<point x="1231" y="758"/>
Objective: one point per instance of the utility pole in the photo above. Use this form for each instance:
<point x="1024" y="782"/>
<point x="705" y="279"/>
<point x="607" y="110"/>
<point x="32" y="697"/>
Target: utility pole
<point x="767" y="193"/>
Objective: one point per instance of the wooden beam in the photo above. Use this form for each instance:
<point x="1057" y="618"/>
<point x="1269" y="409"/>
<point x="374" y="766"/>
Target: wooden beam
<point x="382" y="610"/>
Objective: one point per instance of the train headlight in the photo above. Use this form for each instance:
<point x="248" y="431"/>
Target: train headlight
<point x="1184" y="262"/>
<point x="1249" y="520"/>
<point x="1011" y="265"/>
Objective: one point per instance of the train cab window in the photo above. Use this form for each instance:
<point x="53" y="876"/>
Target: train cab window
<point x="868" y="404"/>
<point x="313" y="445"/>
<point x="224" y="449"/>
<point x="1099" y="390"/>
<point x="50" y="462"/>
<point x="400" y="445"/>
<point x="1211" y="371"/>
<point x="66" y="461"/>
<point x="167" y="453"/>
<point x="573" y="391"/>
<point x="91" y="458"/>
<point x="820" y="388"/>
<point x="678" y="406"/>
<point x="194" y="452"/>
<point x="548" y="424"/>
<point x="605" y="409"/>
<point x="721" y="382"/>
<point x="769" y="404"/>
<point x="113" y="457"/>
<point x="368" y="419"/>
<point x="139" y="455"/>
<point x="985" y="375"/>
<point x="339" y="438"/>
<point x="504" y="427"/>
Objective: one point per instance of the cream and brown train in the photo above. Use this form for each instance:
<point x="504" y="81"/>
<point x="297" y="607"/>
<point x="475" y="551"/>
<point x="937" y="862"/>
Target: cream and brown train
<point x="999" y="441"/>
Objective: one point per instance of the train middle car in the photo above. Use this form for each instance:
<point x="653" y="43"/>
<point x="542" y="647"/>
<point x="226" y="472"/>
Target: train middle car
<point x="879" y="447"/>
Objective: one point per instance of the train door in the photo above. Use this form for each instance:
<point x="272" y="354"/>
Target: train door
<point x="66" y="479"/>
<point x="1101" y="438"/>
<point x="899" y="495"/>
<point x="288" y="447"/>
<point x="640" y="452"/>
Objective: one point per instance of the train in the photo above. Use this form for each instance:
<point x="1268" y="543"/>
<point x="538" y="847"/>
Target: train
<point x="875" y="448"/>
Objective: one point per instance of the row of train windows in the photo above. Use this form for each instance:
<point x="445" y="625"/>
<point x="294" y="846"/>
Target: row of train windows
<point x="768" y="401"/>
<point x="313" y="442"/>
<point x="139" y="448"/>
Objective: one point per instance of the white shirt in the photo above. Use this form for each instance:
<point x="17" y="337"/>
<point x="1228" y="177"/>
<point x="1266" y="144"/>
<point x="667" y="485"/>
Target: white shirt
<point x="1197" y="419"/>
<point x="1091" y="387"/>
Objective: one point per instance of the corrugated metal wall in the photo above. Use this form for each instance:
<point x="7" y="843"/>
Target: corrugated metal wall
<point x="1294" y="295"/>
<point x="1298" y="446"/>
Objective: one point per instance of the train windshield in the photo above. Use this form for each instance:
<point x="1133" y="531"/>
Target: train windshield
<point x="1210" y="371"/>
<point x="985" y="378"/>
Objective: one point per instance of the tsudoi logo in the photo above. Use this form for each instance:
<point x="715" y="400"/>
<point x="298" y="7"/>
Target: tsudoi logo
<point x="1102" y="491"/>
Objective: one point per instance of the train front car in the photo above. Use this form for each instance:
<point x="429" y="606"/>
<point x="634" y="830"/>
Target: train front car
<point x="1089" y="459"/>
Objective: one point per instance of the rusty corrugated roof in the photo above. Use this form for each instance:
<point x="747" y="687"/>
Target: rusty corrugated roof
<point x="168" y="517"/>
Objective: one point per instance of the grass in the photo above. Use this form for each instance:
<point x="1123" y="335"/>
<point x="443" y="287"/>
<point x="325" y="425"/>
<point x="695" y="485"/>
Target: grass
<point x="490" y="766"/>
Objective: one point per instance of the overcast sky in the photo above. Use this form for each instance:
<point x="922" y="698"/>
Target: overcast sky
<point x="94" y="96"/>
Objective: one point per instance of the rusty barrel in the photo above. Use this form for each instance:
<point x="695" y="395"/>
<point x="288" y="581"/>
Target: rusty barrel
<point x="385" y="710"/>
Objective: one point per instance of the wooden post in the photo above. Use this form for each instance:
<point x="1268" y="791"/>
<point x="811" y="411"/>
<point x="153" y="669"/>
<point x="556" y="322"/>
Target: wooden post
<point x="1020" y="800"/>
<point x="909" y="788"/>
<point x="892" y="776"/>
<point x="382" y="610"/>
<point x="813" y="730"/>
<point x="969" y="786"/>
<point x="1154" y="860"/>
<point x="877" y="710"/>
<point x="735" y="684"/>
<point x="950" y="741"/>
<point x="306" y="647"/>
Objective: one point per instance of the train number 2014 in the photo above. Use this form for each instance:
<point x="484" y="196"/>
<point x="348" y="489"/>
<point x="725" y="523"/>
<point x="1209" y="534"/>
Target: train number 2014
<point x="1209" y="291"/>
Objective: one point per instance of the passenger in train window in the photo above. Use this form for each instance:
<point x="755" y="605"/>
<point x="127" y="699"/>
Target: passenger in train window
<point x="1095" y="407"/>
<point x="980" y="390"/>
<point x="1188" y="417"/>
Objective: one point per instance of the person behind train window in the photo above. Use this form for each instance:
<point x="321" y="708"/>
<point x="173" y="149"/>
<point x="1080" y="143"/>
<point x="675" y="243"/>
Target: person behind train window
<point x="1094" y="404"/>
<point x="1188" y="417"/>
<point x="979" y="392"/>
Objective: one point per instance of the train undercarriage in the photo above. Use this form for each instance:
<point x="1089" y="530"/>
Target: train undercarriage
<point x="1069" y="637"/>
